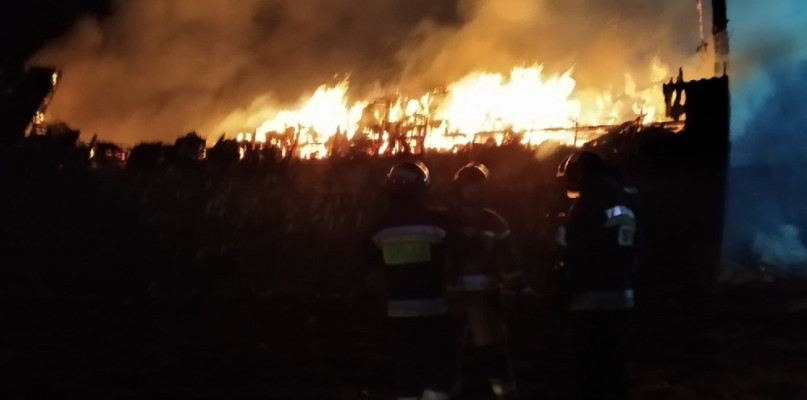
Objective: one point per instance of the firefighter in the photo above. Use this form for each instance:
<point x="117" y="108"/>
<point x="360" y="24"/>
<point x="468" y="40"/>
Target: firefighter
<point x="598" y="255"/>
<point x="484" y="258"/>
<point x="409" y="245"/>
<point x="633" y="202"/>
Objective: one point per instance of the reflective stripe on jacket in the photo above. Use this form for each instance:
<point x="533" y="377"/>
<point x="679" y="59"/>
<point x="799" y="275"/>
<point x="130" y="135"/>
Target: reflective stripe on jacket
<point x="409" y="246"/>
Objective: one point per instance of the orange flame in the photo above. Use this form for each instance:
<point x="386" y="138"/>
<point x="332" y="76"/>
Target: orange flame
<point x="480" y="107"/>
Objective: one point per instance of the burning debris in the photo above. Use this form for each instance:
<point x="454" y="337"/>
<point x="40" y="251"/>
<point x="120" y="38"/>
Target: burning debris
<point x="106" y="155"/>
<point x="525" y="108"/>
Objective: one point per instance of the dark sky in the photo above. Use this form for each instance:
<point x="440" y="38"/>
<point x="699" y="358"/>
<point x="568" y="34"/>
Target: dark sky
<point x="27" y="24"/>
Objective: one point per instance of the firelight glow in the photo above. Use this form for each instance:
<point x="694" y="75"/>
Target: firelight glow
<point x="480" y="105"/>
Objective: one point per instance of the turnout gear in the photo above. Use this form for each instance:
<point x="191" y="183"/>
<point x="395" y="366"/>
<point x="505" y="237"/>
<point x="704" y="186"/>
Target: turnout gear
<point x="598" y="242"/>
<point x="575" y="166"/>
<point x="599" y="237"/>
<point x="483" y="256"/>
<point x="409" y="245"/>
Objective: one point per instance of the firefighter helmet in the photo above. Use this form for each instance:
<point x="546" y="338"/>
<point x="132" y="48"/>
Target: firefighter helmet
<point x="575" y="164"/>
<point x="408" y="177"/>
<point x="472" y="172"/>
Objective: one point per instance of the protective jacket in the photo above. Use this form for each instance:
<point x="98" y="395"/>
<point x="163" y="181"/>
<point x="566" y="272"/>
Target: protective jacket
<point x="599" y="247"/>
<point x="410" y="247"/>
<point x="479" y="249"/>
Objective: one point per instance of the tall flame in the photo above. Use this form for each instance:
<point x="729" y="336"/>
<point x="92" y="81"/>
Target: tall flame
<point x="490" y="102"/>
<point x="479" y="107"/>
<point x="321" y="116"/>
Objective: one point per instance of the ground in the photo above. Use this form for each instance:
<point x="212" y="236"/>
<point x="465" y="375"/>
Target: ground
<point x="198" y="282"/>
<point x="334" y="348"/>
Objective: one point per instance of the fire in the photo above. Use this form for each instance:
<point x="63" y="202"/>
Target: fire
<point x="324" y="112"/>
<point x="526" y="101"/>
<point x="525" y="106"/>
<point x="320" y="117"/>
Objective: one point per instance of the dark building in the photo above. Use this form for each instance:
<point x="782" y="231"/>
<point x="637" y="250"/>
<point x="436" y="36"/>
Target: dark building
<point x="24" y="97"/>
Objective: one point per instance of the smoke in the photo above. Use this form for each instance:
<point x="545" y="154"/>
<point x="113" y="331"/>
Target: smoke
<point x="783" y="248"/>
<point x="767" y="40"/>
<point x="154" y="69"/>
<point x="605" y="39"/>
<point x="769" y="135"/>
<point x="774" y="130"/>
<point x="602" y="40"/>
<point x="768" y="88"/>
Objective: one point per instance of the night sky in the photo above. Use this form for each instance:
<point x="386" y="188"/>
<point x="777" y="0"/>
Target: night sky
<point x="27" y="25"/>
